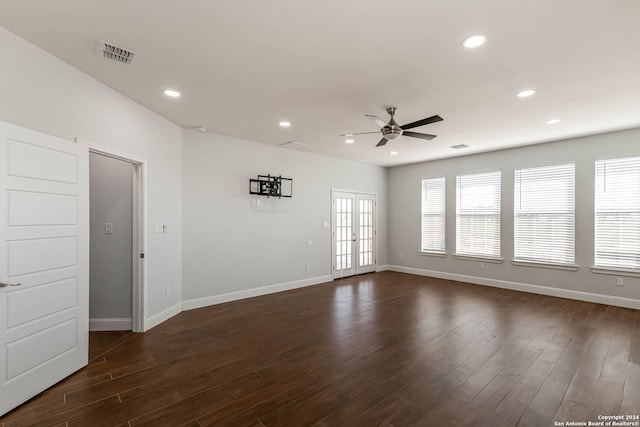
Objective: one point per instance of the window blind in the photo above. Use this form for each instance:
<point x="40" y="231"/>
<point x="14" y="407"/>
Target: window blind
<point x="478" y="214"/>
<point x="545" y="214"/>
<point x="617" y="211"/>
<point x="433" y="215"/>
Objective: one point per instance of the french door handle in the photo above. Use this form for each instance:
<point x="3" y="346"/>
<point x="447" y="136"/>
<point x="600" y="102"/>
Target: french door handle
<point x="4" y="285"/>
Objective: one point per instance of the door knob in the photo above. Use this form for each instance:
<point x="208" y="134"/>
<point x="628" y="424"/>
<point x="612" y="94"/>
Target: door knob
<point x="4" y="285"/>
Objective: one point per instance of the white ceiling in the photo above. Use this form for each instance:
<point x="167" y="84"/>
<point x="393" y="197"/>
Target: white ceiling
<point x="244" y="65"/>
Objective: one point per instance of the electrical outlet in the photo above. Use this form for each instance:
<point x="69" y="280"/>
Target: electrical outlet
<point x="399" y="256"/>
<point x="307" y="266"/>
<point x="482" y="266"/>
<point x="309" y="242"/>
<point x="620" y="281"/>
<point x="167" y="290"/>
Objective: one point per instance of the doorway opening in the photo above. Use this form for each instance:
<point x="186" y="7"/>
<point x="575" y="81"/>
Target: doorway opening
<point x="116" y="286"/>
<point x="354" y="236"/>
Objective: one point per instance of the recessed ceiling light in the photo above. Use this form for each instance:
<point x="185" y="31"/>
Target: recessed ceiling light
<point x="473" y="41"/>
<point x="284" y="124"/>
<point x="172" y="93"/>
<point x="553" y="121"/>
<point x="349" y="141"/>
<point x="525" y="93"/>
<point x="393" y="153"/>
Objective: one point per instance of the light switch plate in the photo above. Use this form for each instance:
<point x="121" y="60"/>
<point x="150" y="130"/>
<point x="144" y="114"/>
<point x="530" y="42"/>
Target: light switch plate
<point x="159" y="227"/>
<point x="108" y="228"/>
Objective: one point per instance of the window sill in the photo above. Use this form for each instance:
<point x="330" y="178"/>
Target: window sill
<point x="434" y="254"/>
<point x="479" y="258"/>
<point x="567" y="267"/>
<point x="614" y="271"/>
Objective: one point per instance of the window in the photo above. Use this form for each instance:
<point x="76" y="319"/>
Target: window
<point x="478" y="214"/>
<point x="433" y="218"/>
<point x="545" y="214"/>
<point x="617" y="213"/>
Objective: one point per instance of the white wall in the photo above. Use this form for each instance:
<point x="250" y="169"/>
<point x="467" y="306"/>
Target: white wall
<point x="405" y="221"/>
<point x="110" y="265"/>
<point x="40" y="92"/>
<point x="233" y="248"/>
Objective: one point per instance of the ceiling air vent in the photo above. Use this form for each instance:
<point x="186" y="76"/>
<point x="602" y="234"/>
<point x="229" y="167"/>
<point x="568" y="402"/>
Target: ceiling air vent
<point x="294" y="144"/>
<point x="459" y="146"/>
<point x="114" y="52"/>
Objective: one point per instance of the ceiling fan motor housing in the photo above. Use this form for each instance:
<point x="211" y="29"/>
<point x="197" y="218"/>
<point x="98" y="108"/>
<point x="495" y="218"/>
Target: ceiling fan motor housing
<point x="391" y="132"/>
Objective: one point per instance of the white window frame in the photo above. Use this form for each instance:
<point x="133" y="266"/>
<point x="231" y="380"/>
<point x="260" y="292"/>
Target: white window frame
<point x="606" y="170"/>
<point x="434" y="207"/>
<point x="478" y="212"/>
<point x="552" y="247"/>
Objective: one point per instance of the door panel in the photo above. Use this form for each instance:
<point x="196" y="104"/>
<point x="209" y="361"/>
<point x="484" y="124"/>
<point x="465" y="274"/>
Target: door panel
<point x="35" y="350"/>
<point x="30" y="160"/>
<point x="33" y="303"/>
<point x="353" y="233"/>
<point x="366" y="234"/>
<point x="44" y="248"/>
<point x="40" y="255"/>
<point x="344" y="234"/>
<point x="26" y="208"/>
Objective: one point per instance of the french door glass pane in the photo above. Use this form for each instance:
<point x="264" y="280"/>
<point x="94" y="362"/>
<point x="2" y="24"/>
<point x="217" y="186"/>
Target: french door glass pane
<point x="344" y="232"/>
<point x="366" y="232"/>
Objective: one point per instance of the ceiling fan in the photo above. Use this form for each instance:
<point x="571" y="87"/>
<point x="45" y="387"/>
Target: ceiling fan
<point x="392" y="130"/>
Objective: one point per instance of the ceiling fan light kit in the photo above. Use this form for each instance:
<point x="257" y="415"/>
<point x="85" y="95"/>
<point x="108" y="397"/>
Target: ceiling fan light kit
<point x="393" y="130"/>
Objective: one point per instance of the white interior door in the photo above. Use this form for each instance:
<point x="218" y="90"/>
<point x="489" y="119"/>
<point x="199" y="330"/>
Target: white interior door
<point x="354" y="233"/>
<point x="44" y="248"/>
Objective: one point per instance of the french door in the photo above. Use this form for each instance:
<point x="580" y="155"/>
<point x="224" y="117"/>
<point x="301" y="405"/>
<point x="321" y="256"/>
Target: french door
<point x="354" y="233"/>
<point x="44" y="264"/>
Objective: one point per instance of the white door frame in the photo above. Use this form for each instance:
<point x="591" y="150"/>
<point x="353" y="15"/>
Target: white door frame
<point x="355" y="193"/>
<point x="139" y="220"/>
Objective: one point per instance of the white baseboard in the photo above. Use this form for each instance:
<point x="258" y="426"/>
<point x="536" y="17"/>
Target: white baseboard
<point x="118" y="324"/>
<point x="254" y="292"/>
<point x="524" y="287"/>
<point x="156" y="319"/>
<point x="380" y="268"/>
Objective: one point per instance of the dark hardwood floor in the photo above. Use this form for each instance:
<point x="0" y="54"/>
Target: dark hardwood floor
<point x="102" y="342"/>
<point x="385" y="349"/>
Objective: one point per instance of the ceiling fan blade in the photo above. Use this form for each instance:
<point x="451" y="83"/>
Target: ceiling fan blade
<point x="358" y="133"/>
<point x="422" y="122"/>
<point x="377" y="119"/>
<point x="426" y="136"/>
<point x="382" y="142"/>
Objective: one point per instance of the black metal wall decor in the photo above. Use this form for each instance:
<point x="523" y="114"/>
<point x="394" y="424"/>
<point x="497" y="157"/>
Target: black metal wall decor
<point x="271" y="186"/>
